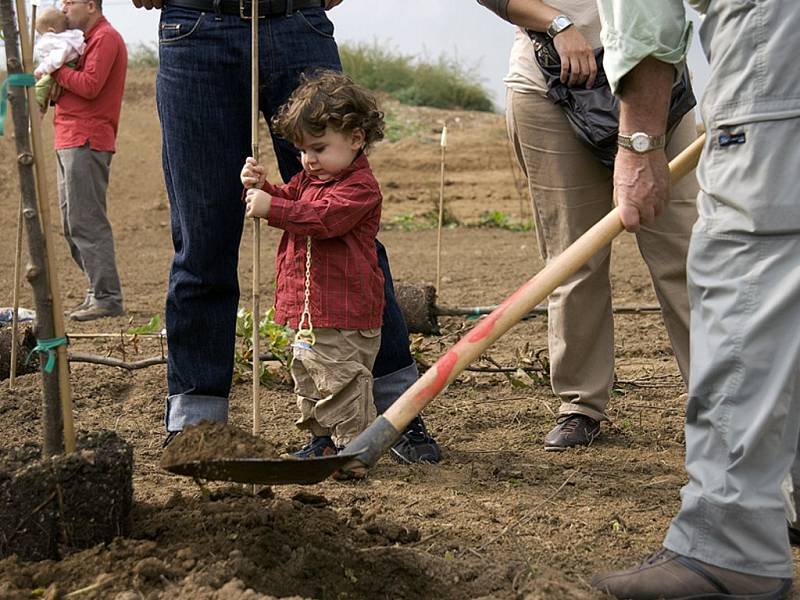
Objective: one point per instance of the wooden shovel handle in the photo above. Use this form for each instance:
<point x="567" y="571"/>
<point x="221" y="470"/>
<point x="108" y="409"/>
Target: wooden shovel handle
<point x="511" y="311"/>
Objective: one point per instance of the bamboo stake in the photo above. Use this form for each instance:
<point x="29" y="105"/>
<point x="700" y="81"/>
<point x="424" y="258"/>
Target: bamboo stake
<point x="34" y="6"/>
<point x="254" y="102"/>
<point x="12" y="374"/>
<point x="443" y="143"/>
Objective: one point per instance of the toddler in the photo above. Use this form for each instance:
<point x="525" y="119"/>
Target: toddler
<point x="329" y="287"/>
<point x="56" y="46"/>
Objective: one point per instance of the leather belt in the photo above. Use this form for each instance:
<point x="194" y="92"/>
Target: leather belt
<point x="266" y="8"/>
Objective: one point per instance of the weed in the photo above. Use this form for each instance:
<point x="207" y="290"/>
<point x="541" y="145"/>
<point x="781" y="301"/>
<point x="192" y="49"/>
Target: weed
<point x="275" y="340"/>
<point x="152" y="326"/>
<point x="499" y="220"/>
<point x="396" y="129"/>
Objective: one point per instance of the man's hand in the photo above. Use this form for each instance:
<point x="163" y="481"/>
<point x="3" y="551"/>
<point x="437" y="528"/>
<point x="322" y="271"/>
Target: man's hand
<point x="641" y="186"/>
<point x="258" y="204"/>
<point x="148" y="4"/>
<point x="329" y="4"/>
<point x="578" y="65"/>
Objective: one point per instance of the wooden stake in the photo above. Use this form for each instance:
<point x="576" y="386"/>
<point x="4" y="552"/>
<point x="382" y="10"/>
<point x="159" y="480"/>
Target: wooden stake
<point x="42" y="276"/>
<point x="12" y="374"/>
<point x="443" y="144"/>
<point x="254" y="101"/>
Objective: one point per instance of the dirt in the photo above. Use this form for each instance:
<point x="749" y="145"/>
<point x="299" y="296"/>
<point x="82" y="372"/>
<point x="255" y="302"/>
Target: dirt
<point x="209" y="441"/>
<point x="51" y="506"/>
<point x="26" y="341"/>
<point x="498" y="518"/>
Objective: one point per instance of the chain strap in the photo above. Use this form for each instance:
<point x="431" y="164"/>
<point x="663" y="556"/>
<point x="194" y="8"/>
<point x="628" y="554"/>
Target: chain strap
<point x="306" y="334"/>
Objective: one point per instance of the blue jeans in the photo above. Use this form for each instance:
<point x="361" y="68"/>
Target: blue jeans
<point x="203" y="98"/>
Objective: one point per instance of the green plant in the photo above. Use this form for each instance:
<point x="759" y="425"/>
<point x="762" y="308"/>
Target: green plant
<point x="405" y="222"/>
<point x="275" y="340"/>
<point x="396" y="129"/>
<point x="500" y="220"/>
<point x="445" y="83"/>
<point x="152" y="326"/>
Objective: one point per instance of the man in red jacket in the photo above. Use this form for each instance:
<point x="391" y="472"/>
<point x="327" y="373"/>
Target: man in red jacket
<point x="87" y="114"/>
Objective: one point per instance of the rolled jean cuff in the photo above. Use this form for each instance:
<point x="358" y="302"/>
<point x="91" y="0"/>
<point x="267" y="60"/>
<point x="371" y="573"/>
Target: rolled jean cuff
<point x="388" y="388"/>
<point x="187" y="409"/>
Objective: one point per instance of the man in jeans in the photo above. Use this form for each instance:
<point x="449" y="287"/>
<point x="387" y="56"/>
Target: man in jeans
<point x="203" y="96"/>
<point x="88" y="104"/>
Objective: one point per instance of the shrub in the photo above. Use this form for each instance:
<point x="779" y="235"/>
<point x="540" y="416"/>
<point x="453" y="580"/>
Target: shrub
<point x="441" y="84"/>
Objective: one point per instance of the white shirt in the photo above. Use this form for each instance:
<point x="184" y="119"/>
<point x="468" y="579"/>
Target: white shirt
<point x="55" y="49"/>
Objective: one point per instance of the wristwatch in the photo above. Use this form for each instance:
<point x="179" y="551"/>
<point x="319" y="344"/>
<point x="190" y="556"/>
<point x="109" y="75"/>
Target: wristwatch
<point x="558" y="24"/>
<point x="640" y="142"/>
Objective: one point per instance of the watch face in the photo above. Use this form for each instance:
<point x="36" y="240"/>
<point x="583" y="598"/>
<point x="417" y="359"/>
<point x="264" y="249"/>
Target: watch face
<point x="561" y="22"/>
<point x="640" y="142"/>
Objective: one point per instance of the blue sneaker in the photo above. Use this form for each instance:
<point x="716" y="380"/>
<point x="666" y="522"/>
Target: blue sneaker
<point x="416" y="445"/>
<point x="318" y="446"/>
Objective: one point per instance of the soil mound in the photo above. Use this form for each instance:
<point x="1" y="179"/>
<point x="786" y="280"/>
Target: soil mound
<point x="214" y="441"/>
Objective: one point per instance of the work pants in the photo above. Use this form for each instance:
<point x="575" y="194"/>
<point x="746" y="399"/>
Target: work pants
<point x="82" y="177"/>
<point x="743" y="414"/>
<point x="570" y="191"/>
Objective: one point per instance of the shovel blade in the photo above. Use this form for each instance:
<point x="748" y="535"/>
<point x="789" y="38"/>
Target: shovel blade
<point x="266" y="471"/>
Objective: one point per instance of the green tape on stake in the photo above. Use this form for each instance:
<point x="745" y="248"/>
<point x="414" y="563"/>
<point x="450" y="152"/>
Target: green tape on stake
<point x="15" y="79"/>
<point x="48" y="346"/>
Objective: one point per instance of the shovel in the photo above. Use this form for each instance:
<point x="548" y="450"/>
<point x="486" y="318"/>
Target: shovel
<point x="366" y="449"/>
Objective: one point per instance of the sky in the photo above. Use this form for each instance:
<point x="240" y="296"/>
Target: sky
<point x="428" y="29"/>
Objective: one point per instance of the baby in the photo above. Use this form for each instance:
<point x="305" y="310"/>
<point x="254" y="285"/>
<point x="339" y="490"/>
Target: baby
<point x="57" y="46"/>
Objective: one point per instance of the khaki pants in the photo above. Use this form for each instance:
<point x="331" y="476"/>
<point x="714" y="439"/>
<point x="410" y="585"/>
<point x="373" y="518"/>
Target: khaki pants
<point x="333" y="382"/>
<point x="571" y="191"/>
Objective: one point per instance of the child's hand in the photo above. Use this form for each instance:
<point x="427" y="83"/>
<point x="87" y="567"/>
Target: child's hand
<point x="253" y="175"/>
<point x="258" y="203"/>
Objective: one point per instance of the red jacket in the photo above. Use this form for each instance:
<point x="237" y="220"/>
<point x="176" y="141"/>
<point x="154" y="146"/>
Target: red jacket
<point x="342" y="216"/>
<point x="89" y="107"/>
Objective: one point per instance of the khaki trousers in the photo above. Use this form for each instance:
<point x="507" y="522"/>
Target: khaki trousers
<point x="570" y="191"/>
<point x="333" y="382"/>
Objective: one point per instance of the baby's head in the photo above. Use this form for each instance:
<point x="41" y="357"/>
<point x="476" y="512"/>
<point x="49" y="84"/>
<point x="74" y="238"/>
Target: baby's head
<point x="51" y="20"/>
<point x="329" y="100"/>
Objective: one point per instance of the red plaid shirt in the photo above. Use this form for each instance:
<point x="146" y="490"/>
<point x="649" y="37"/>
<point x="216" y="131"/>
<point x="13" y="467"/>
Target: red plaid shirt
<point x="342" y="217"/>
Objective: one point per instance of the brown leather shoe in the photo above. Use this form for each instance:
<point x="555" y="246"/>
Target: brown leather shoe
<point x="572" y="430"/>
<point x="667" y="575"/>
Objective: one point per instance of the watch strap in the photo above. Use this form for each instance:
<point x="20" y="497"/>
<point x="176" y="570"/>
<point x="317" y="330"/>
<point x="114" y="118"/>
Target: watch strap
<point x="558" y="24"/>
<point x="656" y="142"/>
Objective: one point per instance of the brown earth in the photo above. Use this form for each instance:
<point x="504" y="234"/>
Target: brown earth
<point x="499" y="518"/>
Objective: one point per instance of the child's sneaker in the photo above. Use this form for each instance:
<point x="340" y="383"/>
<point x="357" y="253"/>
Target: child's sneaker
<point x="318" y="446"/>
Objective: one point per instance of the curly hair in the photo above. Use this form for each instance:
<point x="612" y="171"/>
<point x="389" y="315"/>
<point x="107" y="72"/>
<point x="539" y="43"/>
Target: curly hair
<point x="329" y="99"/>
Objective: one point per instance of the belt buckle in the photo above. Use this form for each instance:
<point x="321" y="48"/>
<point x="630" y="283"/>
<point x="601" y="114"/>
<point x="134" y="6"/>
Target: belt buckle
<point x="249" y="17"/>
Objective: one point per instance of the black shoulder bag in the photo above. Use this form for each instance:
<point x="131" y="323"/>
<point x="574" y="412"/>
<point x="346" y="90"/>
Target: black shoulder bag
<point x="594" y="113"/>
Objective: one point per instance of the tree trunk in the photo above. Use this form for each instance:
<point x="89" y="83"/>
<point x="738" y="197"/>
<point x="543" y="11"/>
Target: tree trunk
<point x="37" y="273"/>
